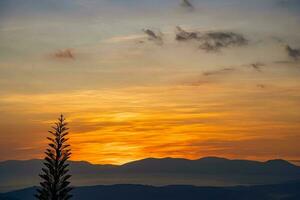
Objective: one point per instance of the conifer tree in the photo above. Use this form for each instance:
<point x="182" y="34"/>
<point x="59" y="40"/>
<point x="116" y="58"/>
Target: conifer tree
<point x="55" y="177"/>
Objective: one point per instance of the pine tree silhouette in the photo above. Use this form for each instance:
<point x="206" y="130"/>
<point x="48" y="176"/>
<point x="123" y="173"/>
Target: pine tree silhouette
<point x="55" y="184"/>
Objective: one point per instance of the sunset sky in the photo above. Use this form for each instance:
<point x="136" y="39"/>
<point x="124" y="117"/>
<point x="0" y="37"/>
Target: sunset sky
<point x="128" y="96"/>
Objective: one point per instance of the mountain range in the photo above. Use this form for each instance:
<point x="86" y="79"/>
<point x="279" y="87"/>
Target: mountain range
<point x="209" y="171"/>
<point x="286" y="191"/>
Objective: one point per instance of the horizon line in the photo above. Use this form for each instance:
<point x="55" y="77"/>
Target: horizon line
<point x="294" y="162"/>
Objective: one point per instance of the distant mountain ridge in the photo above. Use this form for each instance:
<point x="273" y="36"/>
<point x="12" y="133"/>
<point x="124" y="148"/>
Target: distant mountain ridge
<point x="205" y="165"/>
<point x="209" y="171"/>
<point x="285" y="191"/>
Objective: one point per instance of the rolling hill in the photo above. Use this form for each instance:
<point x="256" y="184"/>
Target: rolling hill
<point x="287" y="191"/>
<point x="208" y="171"/>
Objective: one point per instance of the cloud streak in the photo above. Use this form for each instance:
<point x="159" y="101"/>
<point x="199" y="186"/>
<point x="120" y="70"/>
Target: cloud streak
<point x="212" y="41"/>
<point x="219" y="72"/>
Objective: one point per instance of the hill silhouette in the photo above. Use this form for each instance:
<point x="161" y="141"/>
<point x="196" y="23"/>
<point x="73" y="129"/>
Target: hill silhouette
<point x="286" y="191"/>
<point x="210" y="171"/>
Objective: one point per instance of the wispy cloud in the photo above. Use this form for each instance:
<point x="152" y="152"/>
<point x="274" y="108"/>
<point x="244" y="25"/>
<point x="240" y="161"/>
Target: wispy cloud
<point x="219" y="71"/>
<point x="155" y="37"/>
<point x="257" y="66"/>
<point x="64" y="54"/>
<point x="293" y="53"/>
<point x="126" y="38"/>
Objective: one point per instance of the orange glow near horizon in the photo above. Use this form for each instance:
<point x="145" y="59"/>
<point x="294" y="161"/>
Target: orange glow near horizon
<point x="115" y="127"/>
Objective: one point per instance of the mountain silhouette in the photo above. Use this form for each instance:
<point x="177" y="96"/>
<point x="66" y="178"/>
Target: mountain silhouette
<point x="209" y="171"/>
<point x="286" y="191"/>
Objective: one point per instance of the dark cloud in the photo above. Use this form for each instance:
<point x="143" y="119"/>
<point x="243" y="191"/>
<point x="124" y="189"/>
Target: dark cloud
<point x="65" y="54"/>
<point x="218" y="72"/>
<point x="212" y="41"/>
<point x="155" y="37"/>
<point x="183" y="35"/>
<point x="257" y="66"/>
<point x="187" y="4"/>
<point x="293" y="53"/>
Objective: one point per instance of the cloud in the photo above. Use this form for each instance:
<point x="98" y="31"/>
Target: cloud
<point x="264" y="147"/>
<point x="220" y="71"/>
<point x="257" y="66"/>
<point x="64" y="54"/>
<point x="155" y="37"/>
<point x="212" y="41"/>
<point x="126" y="38"/>
<point x="202" y="79"/>
<point x="183" y="35"/>
<point x="187" y="4"/>
<point x="293" y="53"/>
<point x="195" y="82"/>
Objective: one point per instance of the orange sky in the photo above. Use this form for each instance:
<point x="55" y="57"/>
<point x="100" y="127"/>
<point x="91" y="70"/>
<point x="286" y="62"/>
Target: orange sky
<point x="176" y="121"/>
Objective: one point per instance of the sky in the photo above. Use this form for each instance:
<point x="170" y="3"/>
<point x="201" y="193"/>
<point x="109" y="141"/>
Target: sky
<point x="159" y="78"/>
